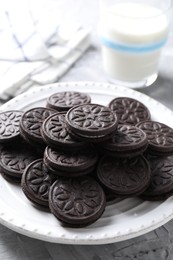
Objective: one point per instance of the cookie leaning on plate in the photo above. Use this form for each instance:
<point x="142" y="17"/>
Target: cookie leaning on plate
<point x="77" y="201"/>
<point x="14" y="159"/>
<point x="161" y="185"/>
<point x="124" y="177"/>
<point x="91" y="122"/>
<point x="35" y="183"/>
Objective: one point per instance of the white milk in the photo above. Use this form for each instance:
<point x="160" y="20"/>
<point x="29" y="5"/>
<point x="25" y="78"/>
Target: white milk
<point x="124" y="28"/>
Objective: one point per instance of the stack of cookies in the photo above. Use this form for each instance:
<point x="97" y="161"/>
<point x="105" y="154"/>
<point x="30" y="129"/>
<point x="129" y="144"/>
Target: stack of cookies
<point x="72" y="156"/>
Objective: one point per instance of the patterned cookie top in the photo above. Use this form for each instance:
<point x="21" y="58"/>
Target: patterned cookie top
<point x="15" y="159"/>
<point x="129" y="110"/>
<point x="77" y="201"/>
<point x="36" y="182"/>
<point x="160" y="136"/>
<point x="9" y="125"/>
<point x="32" y="121"/>
<point x="125" y="138"/>
<point x="91" y="120"/>
<point x="71" y="161"/>
<point x="162" y="176"/>
<point x="63" y="101"/>
<point x="55" y="134"/>
<point x="124" y="176"/>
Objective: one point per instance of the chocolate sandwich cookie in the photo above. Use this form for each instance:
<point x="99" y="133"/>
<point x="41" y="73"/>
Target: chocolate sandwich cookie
<point x="9" y="126"/>
<point x="161" y="185"/>
<point x="124" y="177"/>
<point x="55" y="134"/>
<point x="31" y="123"/>
<point x="127" y="141"/>
<point x="63" y="101"/>
<point x="91" y="122"/>
<point x="90" y="140"/>
<point x="10" y="178"/>
<point x="15" y="159"/>
<point x="160" y="137"/>
<point x="36" y="181"/>
<point x="70" y="163"/>
<point x="129" y="110"/>
<point x="67" y="173"/>
<point x="77" y="202"/>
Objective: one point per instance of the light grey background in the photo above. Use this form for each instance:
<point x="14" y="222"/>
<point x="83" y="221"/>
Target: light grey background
<point x="154" y="245"/>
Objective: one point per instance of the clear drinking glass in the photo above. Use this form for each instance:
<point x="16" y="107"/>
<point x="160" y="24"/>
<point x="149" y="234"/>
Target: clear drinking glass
<point x="132" y="35"/>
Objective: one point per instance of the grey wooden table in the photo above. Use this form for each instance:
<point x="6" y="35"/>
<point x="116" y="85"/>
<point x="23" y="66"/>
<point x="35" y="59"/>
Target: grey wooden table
<point x="157" y="244"/>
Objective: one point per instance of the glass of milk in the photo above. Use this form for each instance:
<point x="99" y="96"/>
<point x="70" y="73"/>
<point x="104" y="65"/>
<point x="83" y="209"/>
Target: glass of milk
<point x="132" y="35"/>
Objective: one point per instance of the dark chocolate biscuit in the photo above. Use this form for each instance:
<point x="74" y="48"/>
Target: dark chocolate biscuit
<point x="70" y="161"/>
<point x="10" y="178"/>
<point x="15" y="159"/>
<point x="36" y="181"/>
<point x="55" y="134"/>
<point x="31" y="123"/>
<point x="91" y="121"/>
<point x="9" y="126"/>
<point x="63" y="101"/>
<point x="129" y="110"/>
<point x="77" y="202"/>
<point x="124" y="177"/>
<point x="127" y="140"/>
<point x="66" y="173"/>
<point x="90" y="140"/>
<point x="160" y="137"/>
<point x="161" y="185"/>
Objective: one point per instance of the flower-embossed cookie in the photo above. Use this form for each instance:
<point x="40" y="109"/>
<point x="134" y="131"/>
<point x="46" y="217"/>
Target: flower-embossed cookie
<point x="9" y="126"/>
<point x="36" y="181"/>
<point x="77" y="201"/>
<point x="124" y="177"/>
<point x="91" y="122"/>
<point x="63" y="101"/>
<point x="129" y="110"/>
<point x="127" y="141"/>
<point x="31" y="123"/>
<point x="160" y="137"/>
<point x="15" y="159"/>
<point x="70" y="163"/>
<point x="55" y="134"/>
<point x="161" y="185"/>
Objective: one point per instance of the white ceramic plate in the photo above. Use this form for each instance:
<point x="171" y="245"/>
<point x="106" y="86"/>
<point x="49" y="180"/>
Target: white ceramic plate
<point x="122" y="220"/>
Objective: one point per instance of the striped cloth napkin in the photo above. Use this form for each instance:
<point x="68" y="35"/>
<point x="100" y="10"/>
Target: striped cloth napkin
<point x="34" y="51"/>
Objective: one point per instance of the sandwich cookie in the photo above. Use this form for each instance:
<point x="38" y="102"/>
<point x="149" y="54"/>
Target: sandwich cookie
<point x="127" y="141"/>
<point x="55" y="134"/>
<point x="160" y="137"/>
<point x="77" y="202"/>
<point x="9" y="126"/>
<point x="92" y="122"/>
<point x="124" y="177"/>
<point x="63" y="101"/>
<point x="70" y="163"/>
<point x="129" y="111"/>
<point x="35" y="183"/>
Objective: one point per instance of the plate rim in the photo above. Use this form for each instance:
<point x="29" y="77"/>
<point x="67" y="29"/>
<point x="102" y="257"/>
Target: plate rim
<point x="104" y="239"/>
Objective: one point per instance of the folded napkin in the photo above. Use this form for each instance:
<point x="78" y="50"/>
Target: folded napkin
<point x="36" y="51"/>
